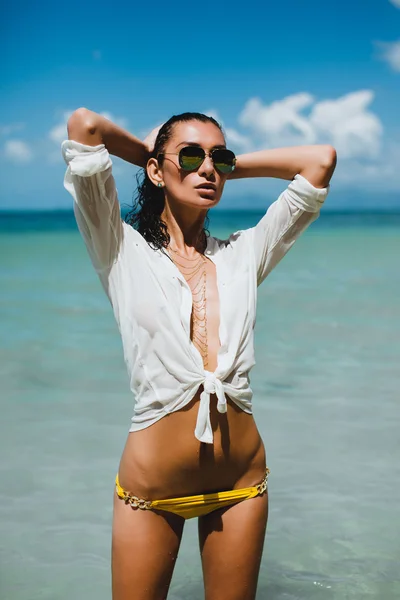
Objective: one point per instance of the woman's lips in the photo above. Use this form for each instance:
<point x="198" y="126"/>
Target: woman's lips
<point x="206" y="190"/>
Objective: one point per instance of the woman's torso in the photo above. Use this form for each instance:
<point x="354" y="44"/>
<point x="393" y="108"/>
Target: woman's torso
<point x="166" y="459"/>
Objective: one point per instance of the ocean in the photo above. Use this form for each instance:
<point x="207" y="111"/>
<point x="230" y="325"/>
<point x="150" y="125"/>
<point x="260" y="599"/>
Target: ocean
<point x="326" y="399"/>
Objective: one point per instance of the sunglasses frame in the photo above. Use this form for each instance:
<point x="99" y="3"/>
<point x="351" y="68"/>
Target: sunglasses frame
<point x="210" y="154"/>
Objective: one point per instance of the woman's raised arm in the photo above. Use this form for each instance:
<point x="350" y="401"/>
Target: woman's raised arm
<point x="92" y="129"/>
<point x="89" y="179"/>
<point x="310" y="168"/>
<point x="316" y="163"/>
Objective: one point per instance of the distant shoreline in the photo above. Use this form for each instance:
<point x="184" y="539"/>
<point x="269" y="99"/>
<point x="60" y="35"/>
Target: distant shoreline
<point x="37" y="221"/>
<point x="234" y="211"/>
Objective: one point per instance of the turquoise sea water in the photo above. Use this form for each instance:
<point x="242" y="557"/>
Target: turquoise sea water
<point x="326" y="398"/>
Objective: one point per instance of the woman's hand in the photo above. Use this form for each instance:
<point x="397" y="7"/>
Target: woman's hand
<point x="150" y="139"/>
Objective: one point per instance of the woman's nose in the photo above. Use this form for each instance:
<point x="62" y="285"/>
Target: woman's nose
<point x="207" y="166"/>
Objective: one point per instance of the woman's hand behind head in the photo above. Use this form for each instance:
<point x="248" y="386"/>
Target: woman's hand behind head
<point x="150" y="139"/>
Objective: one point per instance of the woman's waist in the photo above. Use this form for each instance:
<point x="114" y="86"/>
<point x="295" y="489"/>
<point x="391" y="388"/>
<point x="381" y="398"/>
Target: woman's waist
<point x="166" y="459"/>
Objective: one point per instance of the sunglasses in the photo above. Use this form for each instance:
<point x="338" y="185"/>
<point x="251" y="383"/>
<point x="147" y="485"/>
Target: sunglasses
<point x="191" y="157"/>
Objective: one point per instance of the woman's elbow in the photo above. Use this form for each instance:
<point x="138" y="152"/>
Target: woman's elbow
<point x="81" y="127"/>
<point x="322" y="166"/>
<point x="328" y="164"/>
<point x="329" y="158"/>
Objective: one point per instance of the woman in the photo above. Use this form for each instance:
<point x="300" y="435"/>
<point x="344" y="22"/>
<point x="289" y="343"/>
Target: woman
<point x="185" y="304"/>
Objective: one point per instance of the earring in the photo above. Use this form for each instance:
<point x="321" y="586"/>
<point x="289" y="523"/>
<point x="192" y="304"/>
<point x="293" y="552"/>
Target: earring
<point x="159" y="185"/>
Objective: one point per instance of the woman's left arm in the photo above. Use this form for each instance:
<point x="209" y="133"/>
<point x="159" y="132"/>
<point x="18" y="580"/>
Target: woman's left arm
<point x="315" y="163"/>
<point x="310" y="169"/>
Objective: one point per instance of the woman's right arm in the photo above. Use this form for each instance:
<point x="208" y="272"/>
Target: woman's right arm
<point x="89" y="179"/>
<point x="88" y="127"/>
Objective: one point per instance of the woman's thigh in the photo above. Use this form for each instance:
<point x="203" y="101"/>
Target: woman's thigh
<point x="231" y="545"/>
<point x="144" y="549"/>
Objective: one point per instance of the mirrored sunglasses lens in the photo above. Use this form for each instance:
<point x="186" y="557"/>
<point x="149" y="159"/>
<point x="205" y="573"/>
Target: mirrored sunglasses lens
<point x="224" y="160"/>
<point x="190" y="158"/>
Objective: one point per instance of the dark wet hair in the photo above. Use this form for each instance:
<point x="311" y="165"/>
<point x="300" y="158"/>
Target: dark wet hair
<point x="145" y="215"/>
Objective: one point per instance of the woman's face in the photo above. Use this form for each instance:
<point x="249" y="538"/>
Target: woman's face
<point x="184" y="187"/>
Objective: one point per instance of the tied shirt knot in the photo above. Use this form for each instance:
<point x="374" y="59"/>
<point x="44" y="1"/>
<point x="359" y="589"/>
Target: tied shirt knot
<point x="211" y="385"/>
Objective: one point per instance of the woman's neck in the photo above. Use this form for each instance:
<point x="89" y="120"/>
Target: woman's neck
<point x="186" y="231"/>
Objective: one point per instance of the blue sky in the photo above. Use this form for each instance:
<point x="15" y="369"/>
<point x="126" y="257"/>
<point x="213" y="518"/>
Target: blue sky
<point x="275" y="74"/>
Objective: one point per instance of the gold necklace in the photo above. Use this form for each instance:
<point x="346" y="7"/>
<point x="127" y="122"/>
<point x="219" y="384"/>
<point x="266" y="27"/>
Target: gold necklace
<point x="199" y="296"/>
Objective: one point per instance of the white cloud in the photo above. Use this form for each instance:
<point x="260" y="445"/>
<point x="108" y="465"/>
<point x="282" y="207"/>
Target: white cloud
<point x="395" y="3"/>
<point x="345" y="122"/>
<point x="11" y="128"/>
<point x="349" y="125"/>
<point x="380" y="175"/>
<point x="280" y="123"/>
<point x="18" y="151"/>
<point x="390" y="53"/>
<point x="234" y="139"/>
<point x="237" y="140"/>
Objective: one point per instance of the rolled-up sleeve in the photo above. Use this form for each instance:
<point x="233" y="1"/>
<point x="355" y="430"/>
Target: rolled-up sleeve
<point x="295" y="209"/>
<point x="89" y="180"/>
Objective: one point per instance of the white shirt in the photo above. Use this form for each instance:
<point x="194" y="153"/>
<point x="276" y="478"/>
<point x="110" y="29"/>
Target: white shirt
<point x="152" y="301"/>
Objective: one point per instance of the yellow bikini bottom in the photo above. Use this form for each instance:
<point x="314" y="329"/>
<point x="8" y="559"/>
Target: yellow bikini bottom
<point x="194" y="506"/>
